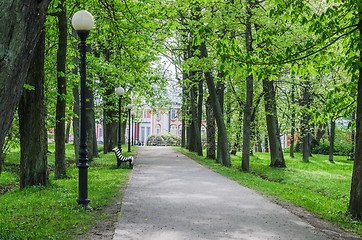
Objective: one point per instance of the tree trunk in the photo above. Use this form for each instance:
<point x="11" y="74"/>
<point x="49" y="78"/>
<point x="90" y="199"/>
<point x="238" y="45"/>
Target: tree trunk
<point x="193" y="120"/>
<point x="249" y="95"/>
<point x="266" y="143"/>
<point x="210" y="130"/>
<point x="276" y="151"/>
<point x="196" y="84"/>
<point x="320" y="132"/>
<point x="292" y="130"/>
<point x="219" y="116"/>
<point x="60" y="168"/>
<point x="355" y="206"/>
<point x="67" y="131"/>
<point x="332" y="137"/>
<point x="91" y="123"/>
<point x="20" y="24"/>
<point x="199" y="115"/>
<point x="33" y="134"/>
<point x="237" y="141"/>
<point x="305" y="125"/>
<point x="353" y="136"/>
<point x="183" y="112"/>
<point x="220" y="88"/>
<point x="111" y="126"/>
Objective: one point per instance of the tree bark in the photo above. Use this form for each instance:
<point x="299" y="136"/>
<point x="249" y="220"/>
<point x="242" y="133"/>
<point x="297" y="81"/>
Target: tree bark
<point x="196" y="84"/>
<point x="276" y="151"/>
<point x="237" y="141"/>
<point x="60" y="168"/>
<point x="266" y="143"/>
<point x="305" y="126"/>
<point x="249" y="95"/>
<point x="292" y="130"/>
<point x="110" y="126"/>
<point x="183" y="112"/>
<point x="219" y="116"/>
<point x="33" y="134"/>
<point x="91" y="123"/>
<point x="355" y="206"/>
<point x="353" y="136"/>
<point x="220" y="88"/>
<point x="332" y="138"/>
<point x="20" y="24"/>
<point x="67" y="131"/>
<point x="210" y="130"/>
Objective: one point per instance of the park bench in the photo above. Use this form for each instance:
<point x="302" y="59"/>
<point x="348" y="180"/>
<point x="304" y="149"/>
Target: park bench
<point x="122" y="159"/>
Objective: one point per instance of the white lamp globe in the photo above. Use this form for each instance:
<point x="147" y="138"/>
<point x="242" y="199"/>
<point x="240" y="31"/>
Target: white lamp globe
<point x="120" y="91"/>
<point x="82" y="21"/>
<point x="129" y="106"/>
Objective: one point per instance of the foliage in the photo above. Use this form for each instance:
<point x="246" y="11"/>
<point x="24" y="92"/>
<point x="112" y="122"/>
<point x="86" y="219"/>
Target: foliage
<point x="51" y="212"/>
<point x="327" y="194"/>
<point x="340" y="148"/>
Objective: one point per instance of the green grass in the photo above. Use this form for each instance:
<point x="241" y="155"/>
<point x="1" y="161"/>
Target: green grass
<point x="51" y="212"/>
<point x="319" y="186"/>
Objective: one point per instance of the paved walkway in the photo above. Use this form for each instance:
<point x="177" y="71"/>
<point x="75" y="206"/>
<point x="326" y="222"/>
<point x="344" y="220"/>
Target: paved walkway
<point x="171" y="197"/>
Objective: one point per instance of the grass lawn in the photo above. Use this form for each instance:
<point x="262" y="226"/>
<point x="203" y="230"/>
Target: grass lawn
<point x="319" y="186"/>
<point x="52" y="212"/>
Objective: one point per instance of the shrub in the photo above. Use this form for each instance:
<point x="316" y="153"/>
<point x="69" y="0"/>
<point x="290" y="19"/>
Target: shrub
<point x="340" y="148"/>
<point x="163" y="140"/>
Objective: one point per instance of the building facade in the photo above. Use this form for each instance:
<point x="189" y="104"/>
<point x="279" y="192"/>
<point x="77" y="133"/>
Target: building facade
<point x="157" y="121"/>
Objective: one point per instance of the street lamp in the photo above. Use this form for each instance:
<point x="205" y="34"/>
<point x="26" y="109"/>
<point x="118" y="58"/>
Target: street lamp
<point x="120" y="92"/>
<point x="83" y="22"/>
<point x="133" y="127"/>
<point x="129" y="107"/>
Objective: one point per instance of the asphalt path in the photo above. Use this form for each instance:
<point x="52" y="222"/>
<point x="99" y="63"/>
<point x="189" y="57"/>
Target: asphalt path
<point x="171" y="197"/>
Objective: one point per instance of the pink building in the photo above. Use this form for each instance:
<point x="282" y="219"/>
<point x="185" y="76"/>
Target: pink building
<point x="157" y="121"/>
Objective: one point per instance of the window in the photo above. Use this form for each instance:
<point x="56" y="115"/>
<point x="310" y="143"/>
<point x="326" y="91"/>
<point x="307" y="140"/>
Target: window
<point x="158" y="129"/>
<point x="148" y="131"/>
<point x="173" y="114"/>
<point x="144" y="113"/>
<point x="142" y="134"/>
<point x="158" y="115"/>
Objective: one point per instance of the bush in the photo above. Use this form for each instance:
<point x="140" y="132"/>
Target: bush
<point x="340" y="149"/>
<point x="286" y="150"/>
<point x="163" y="140"/>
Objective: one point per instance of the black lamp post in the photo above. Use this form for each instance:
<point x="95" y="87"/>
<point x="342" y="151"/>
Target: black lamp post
<point x="120" y="92"/>
<point x="83" y="22"/>
<point x="129" y="107"/>
<point x="133" y="127"/>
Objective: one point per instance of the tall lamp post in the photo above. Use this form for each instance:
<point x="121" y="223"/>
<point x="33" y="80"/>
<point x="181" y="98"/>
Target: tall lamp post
<point x="120" y="92"/>
<point x="133" y="127"/>
<point x="129" y="107"/>
<point x="83" y="22"/>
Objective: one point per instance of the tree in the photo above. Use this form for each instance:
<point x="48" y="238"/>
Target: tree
<point x="60" y="168"/>
<point x="21" y="22"/>
<point x="276" y="151"/>
<point x="292" y="130"/>
<point x="249" y="93"/>
<point x="305" y="133"/>
<point x="33" y="134"/>
<point x="210" y="130"/>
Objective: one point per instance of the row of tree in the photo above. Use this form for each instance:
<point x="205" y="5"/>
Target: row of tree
<point x="300" y="59"/>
